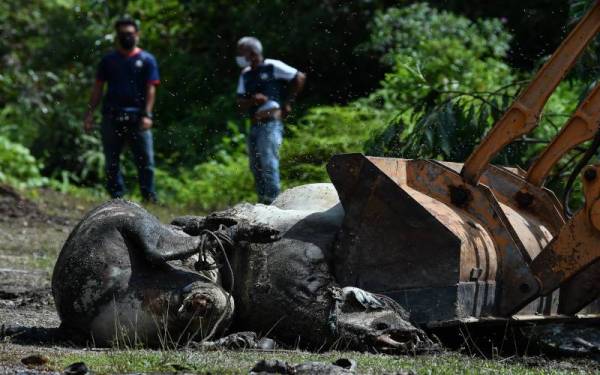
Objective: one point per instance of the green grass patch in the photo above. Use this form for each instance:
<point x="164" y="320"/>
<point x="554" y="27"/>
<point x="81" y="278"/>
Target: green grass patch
<point x="228" y="362"/>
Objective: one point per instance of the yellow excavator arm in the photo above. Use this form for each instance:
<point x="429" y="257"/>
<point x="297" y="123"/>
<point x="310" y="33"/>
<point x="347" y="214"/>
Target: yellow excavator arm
<point x="580" y="128"/>
<point x="522" y="117"/>
<point x="571" y="259"/>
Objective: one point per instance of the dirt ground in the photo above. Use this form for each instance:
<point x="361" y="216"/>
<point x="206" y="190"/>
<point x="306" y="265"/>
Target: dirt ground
<point x="32" y="231"/>
<point x="30" y="238"/>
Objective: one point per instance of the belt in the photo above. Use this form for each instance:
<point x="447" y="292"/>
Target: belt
<point x="271" y="114"/>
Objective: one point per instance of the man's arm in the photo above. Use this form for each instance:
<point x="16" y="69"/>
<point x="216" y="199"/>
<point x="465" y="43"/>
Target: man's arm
<point x="245" y="103"/>
<point x="152" y="80"/>
<point x="88" y="122"/>
<point x="296" y="87"/>
<point x="150" y="98"/>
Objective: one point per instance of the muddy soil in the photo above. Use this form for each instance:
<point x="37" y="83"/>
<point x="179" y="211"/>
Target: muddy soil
<point x="27" y="236"/>
<point x="30" y="238"/>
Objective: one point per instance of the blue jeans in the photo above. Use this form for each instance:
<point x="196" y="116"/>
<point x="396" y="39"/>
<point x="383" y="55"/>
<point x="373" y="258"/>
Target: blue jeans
<point x="263" y="153"/>
<point x="114" y="137"/>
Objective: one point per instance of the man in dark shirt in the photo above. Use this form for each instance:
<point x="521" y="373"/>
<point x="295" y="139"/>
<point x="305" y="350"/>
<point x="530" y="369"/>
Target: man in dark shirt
<point x="263" y="93"/>
<point x="131" y="75"/>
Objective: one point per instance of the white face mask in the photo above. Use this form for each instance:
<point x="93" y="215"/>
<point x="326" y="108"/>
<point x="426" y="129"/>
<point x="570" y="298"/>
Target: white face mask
<point x="242" y="62"/>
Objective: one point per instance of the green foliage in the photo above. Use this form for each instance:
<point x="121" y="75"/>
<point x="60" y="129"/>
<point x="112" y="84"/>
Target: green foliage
<point x="208" y="186"/>
<point x="222" y="181"/>
<point x="454" y="87"/>
<point x="308" y="145"/>
<point x="578" y="8"/>
<point x="434" y="53"/>
<point x="49" y="51"/>
<point x="323" y="132"/>
<point x="18" y="167"/>
<point x="588" y="65"/>
<point x="415" y="30"/>
<point x="448" y="84"/>
<point x="452" y="129"/>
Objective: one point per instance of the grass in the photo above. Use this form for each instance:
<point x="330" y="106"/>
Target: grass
<point x="229" y="362"/>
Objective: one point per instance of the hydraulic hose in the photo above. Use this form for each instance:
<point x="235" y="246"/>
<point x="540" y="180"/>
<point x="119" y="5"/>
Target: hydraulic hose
<point x="589" y="154"/>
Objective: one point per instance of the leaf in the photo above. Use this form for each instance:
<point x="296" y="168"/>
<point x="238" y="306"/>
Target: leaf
<point x="447" y="126"/>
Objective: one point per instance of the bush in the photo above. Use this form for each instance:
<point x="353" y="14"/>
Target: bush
<point x="208" y="186"/>
<point x="18" y="167"/>
<point x="308" y="145"/>
<point x="222" y="181"/>
<point x="448" y="84"/>
<point x="323" y="132"/>
<point x="412" y="30"/>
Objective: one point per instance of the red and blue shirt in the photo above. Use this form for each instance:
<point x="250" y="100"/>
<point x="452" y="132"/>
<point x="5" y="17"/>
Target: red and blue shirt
<point x="127" y="77"/>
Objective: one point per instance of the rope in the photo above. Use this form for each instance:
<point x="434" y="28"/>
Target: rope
<point x="332" y="320"/>
<point x="220" y="237"/>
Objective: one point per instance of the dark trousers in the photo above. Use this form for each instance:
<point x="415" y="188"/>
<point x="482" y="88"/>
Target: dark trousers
<point x="114" y="137"/>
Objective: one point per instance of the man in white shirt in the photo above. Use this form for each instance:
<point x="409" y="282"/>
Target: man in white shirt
<point x="266" y="90"/>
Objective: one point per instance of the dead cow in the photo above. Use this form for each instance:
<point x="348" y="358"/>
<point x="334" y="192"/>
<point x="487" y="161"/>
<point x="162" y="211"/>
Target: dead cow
<point x="286" y="289"/>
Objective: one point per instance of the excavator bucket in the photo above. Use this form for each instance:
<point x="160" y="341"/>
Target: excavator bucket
<point x="461" y="242"/>
<point x="404" y="237"/>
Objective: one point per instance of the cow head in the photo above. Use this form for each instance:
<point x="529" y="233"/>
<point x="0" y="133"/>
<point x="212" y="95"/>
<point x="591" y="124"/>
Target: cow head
<point x="369" y="322"/>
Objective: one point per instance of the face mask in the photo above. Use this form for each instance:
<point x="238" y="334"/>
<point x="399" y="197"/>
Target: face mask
<point x="242" y="61"/>
<point x="126" y="40"/>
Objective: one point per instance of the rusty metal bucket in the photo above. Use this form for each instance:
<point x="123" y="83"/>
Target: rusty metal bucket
<point x="446" y="250"/>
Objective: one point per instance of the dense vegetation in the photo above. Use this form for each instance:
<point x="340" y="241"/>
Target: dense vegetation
<point x="409" y="80"/>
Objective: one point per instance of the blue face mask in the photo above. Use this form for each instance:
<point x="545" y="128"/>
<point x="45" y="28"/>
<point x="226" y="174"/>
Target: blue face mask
<point x="242" y="61"/>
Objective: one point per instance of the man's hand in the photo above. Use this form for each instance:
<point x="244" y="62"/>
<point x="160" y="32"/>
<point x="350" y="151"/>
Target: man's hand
<point x="285" y="110"/>
<point x="88" y="123"/>
<point x="146" y="123"/>
<point x="259" y="99"/>
<point x="88" y="120"/>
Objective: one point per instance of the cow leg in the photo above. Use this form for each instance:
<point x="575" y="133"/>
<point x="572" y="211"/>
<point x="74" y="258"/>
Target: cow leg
<point x="159" y="243"/>
<point x="192" y="225"/>
<point x="237" y="229"/>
